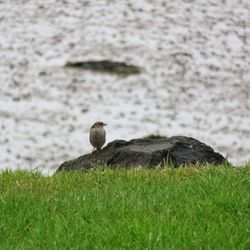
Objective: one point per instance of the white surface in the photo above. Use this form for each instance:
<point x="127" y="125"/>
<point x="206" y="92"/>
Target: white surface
<point x="195" y="57"/>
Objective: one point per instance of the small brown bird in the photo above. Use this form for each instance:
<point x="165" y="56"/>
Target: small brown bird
<point x="97" y="135"/>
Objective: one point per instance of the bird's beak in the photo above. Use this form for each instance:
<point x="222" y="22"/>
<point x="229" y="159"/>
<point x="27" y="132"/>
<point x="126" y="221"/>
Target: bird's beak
<point x="104" y="124"/>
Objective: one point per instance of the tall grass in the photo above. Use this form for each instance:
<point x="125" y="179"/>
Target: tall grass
<point x="188" y="208"/>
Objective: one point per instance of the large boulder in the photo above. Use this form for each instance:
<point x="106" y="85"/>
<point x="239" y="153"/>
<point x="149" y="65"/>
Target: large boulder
<point x="148" y="152"/>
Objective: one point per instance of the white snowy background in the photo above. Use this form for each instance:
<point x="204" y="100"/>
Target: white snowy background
<point x="195" y="80"/>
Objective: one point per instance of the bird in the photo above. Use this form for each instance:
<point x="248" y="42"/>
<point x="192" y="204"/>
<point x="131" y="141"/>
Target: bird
<point x="97" y="135"/>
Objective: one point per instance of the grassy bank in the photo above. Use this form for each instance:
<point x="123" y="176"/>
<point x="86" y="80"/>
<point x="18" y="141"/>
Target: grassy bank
<point x="191" y="208"/>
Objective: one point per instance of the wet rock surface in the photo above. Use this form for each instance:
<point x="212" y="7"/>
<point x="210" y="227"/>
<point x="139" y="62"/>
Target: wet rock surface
<point x="148" y="152"/>
<point x="105" y="66"/>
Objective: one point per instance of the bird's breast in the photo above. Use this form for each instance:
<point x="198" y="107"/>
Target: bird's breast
<point x="97" y="137"/>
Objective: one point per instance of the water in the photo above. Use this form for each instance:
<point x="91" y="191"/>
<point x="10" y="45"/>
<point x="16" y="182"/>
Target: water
<point x="195" y="80"/>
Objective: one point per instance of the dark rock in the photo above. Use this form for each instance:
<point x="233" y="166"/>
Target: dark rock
<point x="148" y="152"/>
<point x="106" y="66"/>
<point x="155" y="137"/>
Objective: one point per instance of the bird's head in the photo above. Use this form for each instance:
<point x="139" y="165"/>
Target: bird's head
<point x="98" y="125"/>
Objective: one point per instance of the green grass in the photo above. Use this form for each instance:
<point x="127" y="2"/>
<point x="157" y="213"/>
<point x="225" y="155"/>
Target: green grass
<point x="188" y="208"/>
